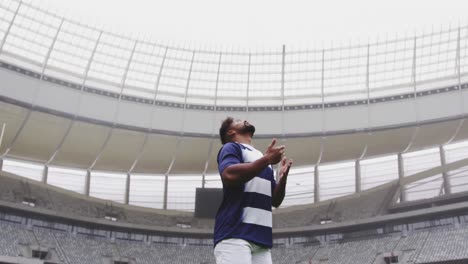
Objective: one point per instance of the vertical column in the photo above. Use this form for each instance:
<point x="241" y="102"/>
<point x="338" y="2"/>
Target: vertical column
<point x="357" y="168"/>
<point x="457" y="58"/>
<point x="322" y="89"/>
<point x="401" y="175"/>
<point x="460" y="91"/>
<point x="215" y="105"/>
<point x="151" y="116"/>
<point x="413" y="67"/>
<point x="127" y="189"/>
<point x="203" y="182"/>
<point x="369" y="133"/>
<point x="207" y="162"/>
<point x="2" y="133"/>
<point x="1" y="140"/>
<point x="316" y="185"/>
<point x="282" y="89"/>
<point x="117" y="109"/>
<point x="458" y="71"/>
<point x="49" y="52"/>
<point x="446" y="179"/>
<point x="248" y="88"/>
<point x="322" y="137"/>
<point x="87" y="182"/>
<point x="181" y="134"/>
<point x="415" y="95"/>
<point x="166" y="184"/>
<point x="187" y="86"/>
<point x="283" y="57"/>
<point x="75" y="115"/>
<point x="368" y="77"/>
<point x="45" y="173"/>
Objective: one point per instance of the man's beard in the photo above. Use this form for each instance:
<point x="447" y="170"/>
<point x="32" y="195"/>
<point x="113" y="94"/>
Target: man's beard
<point x="248" y="129"/>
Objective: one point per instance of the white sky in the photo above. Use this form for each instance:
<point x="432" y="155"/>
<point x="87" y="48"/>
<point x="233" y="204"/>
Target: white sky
<point x="251" y="24"/>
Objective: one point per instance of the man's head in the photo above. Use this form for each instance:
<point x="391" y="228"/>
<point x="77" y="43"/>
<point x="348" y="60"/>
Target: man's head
<point x="232" y="130"/>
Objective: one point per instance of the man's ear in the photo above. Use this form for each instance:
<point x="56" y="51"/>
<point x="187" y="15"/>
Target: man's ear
<point x="231" y="133"/>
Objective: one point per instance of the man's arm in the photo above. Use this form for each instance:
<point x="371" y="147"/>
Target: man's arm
<point x="280" y="189"/>
<point x="240" y="173"/>
<point x="243" y="172"/>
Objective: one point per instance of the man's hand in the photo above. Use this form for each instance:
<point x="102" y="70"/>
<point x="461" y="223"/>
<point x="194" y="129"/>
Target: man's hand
<point x="280" y="190"/>
<point x="285" y="166"/>
<point x="274" y="154"/>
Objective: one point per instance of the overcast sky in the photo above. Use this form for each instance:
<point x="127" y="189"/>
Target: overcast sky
<point x="259" y="24"/>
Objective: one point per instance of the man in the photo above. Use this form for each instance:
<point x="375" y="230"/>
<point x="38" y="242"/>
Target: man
<point x="243" y="227"/>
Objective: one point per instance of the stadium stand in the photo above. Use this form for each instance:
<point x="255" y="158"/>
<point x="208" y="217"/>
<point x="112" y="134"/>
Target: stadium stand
<point x="70" y="228"/>
<point x="82" y="249"/>
<point x="12" y="238"/>
<point x="444" y="244"/>
<point x="419" y="246"/>
<point x="412" y="245"/>
<point x="357" y="206"/>
<point x="18" y="189"/>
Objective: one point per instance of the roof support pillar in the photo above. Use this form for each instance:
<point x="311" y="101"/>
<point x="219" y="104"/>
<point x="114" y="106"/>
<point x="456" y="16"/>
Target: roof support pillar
<point x="87" y="182"/>
<point x="322" y="96"/>
<point x="127" y="189"/>
<point x="446" y="178"/>
<point x="247" y="102"/>
<point x="151" y="116"/>
<point x="166" y="184"/>
<point x="117" y="109"/>
<point x="415" y="95"/>
<point x="45" y="173"/>
<point x="357" y="168"/>
<point x="36" y="91"/>
<point x="316" y="185"/>
<point x="75" y="115"/>
<point x="283" y="138"/>
<point x="366" y="146"/>
<point x="401" y="175"/>
<point x="322" y="137"/>
<point x="460" y="91"/>
<point x="181" y="134"/>
<point x="1" y="140"/>
<point x="215" y="104"/>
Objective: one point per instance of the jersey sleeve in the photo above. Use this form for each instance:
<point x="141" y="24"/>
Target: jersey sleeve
<point x="229" y="154"/>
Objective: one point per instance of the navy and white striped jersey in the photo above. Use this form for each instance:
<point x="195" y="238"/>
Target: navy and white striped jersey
<point x="245" y="212"/>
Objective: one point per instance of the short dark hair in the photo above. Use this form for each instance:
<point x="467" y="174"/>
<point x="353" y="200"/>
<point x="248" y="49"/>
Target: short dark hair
<point x="225" y="126"/>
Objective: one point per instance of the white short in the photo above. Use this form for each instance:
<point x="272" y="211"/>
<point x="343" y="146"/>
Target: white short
<point x="239" y="251"/>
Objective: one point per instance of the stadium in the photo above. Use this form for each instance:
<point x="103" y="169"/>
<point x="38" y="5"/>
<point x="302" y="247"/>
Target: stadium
<point x="109" y="145"/>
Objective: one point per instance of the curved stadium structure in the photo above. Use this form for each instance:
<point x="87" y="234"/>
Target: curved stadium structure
<point x="106" y="139"/>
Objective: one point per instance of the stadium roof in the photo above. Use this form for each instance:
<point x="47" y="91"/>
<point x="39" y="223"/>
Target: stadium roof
<point x="262" y="24"/>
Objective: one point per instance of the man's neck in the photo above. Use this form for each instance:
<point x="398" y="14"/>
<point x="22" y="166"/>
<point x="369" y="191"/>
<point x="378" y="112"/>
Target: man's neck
<point x="244" y="140"/>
